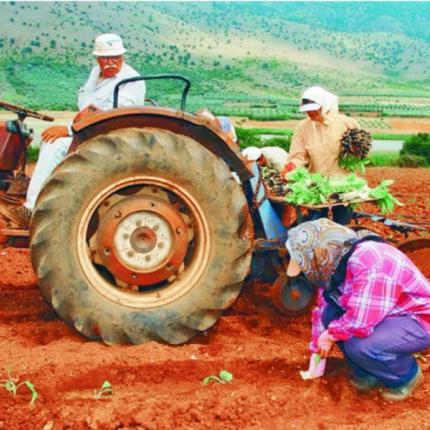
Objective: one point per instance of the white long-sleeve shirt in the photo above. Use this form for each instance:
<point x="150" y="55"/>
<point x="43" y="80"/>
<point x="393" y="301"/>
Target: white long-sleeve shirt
<point x="100" y="94"/>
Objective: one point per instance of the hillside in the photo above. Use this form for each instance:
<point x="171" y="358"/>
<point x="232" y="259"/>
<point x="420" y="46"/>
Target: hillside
<point x="230" y="50"/>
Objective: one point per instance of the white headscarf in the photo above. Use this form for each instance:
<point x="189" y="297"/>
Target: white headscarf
<point x="324" y="98"/>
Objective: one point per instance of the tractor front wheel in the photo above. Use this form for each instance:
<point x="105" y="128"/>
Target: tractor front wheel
<point x="141" y="235"/>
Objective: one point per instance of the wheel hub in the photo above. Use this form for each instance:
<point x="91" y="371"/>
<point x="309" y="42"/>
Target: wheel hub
<point x="142" y="240"/>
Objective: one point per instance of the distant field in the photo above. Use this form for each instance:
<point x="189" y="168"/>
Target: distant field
<point x="372" y="115"/>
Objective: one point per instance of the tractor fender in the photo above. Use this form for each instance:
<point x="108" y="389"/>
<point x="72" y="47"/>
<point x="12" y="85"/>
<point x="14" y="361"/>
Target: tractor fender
<point x="201" y="129"/>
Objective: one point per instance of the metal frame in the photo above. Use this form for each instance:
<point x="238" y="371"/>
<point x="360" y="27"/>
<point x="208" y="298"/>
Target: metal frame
<point x="154" y="77"/>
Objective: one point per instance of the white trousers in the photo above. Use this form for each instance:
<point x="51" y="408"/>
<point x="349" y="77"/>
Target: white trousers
<point x="50" y="155"/>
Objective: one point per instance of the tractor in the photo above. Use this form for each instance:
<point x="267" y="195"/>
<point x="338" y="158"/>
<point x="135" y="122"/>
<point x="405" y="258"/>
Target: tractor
<point x="149" y="227"/>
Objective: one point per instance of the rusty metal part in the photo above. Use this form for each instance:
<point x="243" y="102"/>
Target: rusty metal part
<point x="15" y="237"/>
<point x="142" y="241"/>
<point x="411" y="245"/>
<point x="11" y="210"/>
<point x="185" y="279"/>
<point x="246" y="230"/>
<point x="26" y="112"/>
<point x="14" y="140"/>
<point x="18" y="185"/>
<point x="292" y="296"/>
<point x="201" y="129"/>
<point x="255" y="204"/>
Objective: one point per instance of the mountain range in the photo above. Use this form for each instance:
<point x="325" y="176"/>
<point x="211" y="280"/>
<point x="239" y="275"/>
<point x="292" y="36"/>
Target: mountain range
<point x="228" y="49"/>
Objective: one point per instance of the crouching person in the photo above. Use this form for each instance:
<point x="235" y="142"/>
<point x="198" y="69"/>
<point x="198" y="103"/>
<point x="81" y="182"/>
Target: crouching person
<point x="373" y="302"/>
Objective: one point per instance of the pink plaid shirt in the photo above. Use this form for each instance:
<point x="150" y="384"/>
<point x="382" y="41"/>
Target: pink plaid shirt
<point x="380" y="282"/>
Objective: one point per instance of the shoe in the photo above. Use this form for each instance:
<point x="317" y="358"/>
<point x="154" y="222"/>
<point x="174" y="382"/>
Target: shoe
<point x="404" y="391"/>
<point x="365" y="383"/>
<point x="18" y="214"/>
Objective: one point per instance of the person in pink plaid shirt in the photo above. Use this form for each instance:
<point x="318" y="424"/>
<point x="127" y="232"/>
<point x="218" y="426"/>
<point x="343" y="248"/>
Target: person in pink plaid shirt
<point x="373" y="302"/>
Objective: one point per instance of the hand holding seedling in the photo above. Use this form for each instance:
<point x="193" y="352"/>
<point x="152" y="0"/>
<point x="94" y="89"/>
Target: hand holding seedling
<point x="325" y="343"/>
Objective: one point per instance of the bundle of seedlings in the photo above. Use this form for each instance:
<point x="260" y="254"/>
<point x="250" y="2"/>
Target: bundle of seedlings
<point x="313" y="189"/>
<point x="356" y="144"/>
<point x="273" y="182"/>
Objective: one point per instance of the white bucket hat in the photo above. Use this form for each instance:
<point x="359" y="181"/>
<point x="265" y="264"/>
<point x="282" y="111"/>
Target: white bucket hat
<point x="252" y="153"/>
<point x="108" y="45"/>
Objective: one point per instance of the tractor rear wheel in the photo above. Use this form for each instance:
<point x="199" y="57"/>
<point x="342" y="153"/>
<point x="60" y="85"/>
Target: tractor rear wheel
<point x="141" y="235"/>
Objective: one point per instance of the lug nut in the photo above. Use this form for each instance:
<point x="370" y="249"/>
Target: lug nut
<point x="126" y="236"/>
<point x="138" y="223"/>
<point x="130" y="253"/>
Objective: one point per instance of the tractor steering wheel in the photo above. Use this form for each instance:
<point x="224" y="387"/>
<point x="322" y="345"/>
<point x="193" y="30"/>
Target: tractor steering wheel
<point x="24" y="112"/>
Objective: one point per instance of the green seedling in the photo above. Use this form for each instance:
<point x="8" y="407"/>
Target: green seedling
<point x="105" y="390"/>
<point x="223" y="377"/>
<point x="12" y="385"/>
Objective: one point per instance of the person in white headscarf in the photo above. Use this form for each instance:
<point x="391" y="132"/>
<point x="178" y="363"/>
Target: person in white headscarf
<point x="316" y="141"/>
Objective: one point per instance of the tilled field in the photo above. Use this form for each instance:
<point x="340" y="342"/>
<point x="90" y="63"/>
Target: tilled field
<point x="159" y="386"/>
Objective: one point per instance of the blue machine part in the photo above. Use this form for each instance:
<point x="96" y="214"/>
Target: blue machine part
<point x="272" y="225"/>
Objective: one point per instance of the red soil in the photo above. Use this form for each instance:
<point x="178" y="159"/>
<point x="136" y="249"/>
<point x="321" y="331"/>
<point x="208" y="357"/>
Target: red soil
<point x="159" y="386"/>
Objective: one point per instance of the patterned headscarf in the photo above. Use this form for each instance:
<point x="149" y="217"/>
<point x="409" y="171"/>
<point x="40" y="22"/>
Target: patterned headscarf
<point x="318" y="246"/>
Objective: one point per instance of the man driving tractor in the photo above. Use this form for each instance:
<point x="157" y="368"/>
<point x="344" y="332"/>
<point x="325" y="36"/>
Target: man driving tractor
<point x="96" y="94"/>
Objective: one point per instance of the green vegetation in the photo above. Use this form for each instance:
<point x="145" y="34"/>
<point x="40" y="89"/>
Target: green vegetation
<point x="105" y="390"/>
<point x="32" y="153"/>
<point x="12" y="385"/>
<point x="247" y="137"/>
<point x="384" y="159"/>
<point x="354" y="164"/>
<point x="408" y="160"/>
<point x="416" y="151"/>
<point x="272" y="131"/>
<point x="315" y="189"/>
<point x="282" y="142"/>
<point x="390" y="136"/>
<point x="223" y="377"/>
<point x="385" y="200"/>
